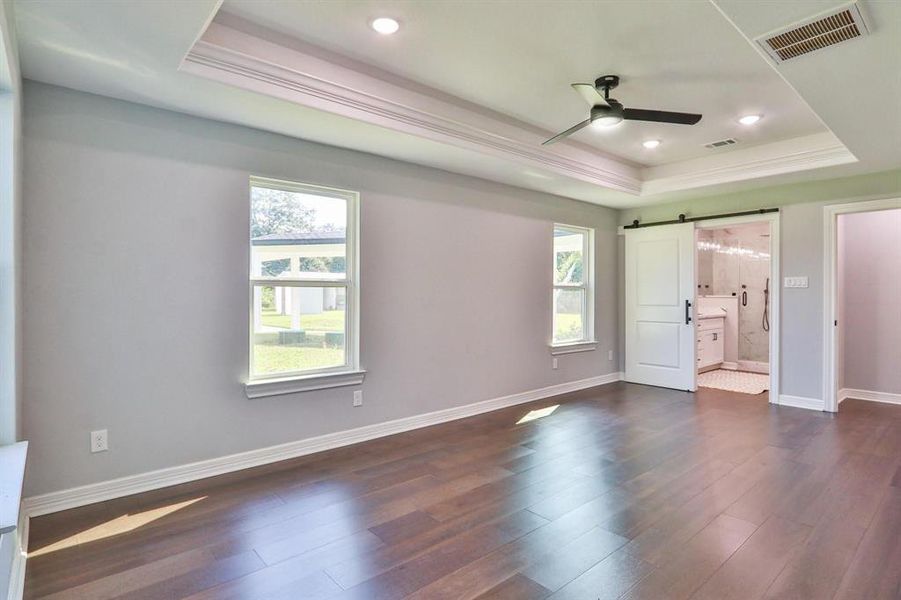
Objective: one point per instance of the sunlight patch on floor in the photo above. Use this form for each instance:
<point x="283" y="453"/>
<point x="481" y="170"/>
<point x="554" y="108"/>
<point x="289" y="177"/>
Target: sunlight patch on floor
<point x="117" y="526"/>
<point x="537" y="414"/>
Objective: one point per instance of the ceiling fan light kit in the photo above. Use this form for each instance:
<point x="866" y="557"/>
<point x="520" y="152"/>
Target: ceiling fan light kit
<point x="607" y="112"/>
<point x="606" y="116"/>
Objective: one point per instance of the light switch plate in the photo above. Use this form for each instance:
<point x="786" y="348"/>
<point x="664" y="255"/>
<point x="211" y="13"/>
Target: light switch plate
<point x="796" y="282"/>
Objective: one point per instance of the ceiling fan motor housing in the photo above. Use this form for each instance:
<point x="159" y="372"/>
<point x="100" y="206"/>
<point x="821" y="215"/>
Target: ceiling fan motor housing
<point x="615" y="109"/>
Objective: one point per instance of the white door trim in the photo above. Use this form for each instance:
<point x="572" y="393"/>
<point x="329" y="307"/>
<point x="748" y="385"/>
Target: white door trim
<point x="775" y="286"/>
<point x="830" y="291"/>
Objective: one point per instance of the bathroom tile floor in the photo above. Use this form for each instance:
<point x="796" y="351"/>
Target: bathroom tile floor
<point x="735" y="381"/>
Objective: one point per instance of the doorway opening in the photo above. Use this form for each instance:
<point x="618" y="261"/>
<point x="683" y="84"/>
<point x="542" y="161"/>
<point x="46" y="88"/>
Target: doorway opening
<point x="661" y="301"/>
<point x="734" y="306"/>
<point x="862" y="326"/>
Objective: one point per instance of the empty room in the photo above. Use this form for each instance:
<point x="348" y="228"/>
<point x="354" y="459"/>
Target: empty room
<point x="450" y="299"/>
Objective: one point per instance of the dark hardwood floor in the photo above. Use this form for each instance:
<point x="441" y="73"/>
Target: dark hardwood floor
<point x="622" y="491"/>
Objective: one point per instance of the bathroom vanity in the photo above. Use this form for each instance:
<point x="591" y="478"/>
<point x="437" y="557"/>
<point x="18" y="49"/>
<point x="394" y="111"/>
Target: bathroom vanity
<point x="711" y="335"/>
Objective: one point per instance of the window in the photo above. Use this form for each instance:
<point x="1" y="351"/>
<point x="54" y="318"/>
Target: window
<point x="303" y="282"/>
<point x="573" y="322"/>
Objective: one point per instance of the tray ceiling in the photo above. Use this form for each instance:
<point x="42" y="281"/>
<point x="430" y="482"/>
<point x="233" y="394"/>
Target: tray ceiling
<point x="475" y="87"/>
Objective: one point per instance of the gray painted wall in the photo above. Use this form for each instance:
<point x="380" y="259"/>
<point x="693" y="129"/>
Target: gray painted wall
<point x="136" y="253"/>
<point x="801" y="220"/>
<point x="870" y="288"/>
<point x="801" y="344"/>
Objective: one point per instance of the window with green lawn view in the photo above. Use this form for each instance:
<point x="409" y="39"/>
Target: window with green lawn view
<point x="572" y="303"/>
<point x="302" y="283"/>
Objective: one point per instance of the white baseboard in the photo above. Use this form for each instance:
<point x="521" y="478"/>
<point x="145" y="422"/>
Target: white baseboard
<point x="750" y="366"/>
<point x="884" y="397"/>
<point x="143" y="482"/>
<point x="754" y="366"/>
<point x="801" y="402"/>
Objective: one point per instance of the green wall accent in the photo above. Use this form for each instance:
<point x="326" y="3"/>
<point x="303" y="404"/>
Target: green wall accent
<point x="847" y="189"/>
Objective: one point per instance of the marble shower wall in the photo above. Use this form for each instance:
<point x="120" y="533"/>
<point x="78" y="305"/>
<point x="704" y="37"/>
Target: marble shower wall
<point x="753" y="340"/>
<point x="732" y="257"/>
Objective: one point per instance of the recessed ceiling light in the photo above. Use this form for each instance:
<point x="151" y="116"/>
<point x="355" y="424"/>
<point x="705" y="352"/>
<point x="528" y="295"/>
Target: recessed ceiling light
<point x="385" y="25"/>
<point x="605" y="121"/>
<point x="749" y="119"/>
<point x="650" y="144"/>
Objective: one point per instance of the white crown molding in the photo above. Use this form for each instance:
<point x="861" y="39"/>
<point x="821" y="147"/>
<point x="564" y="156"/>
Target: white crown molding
<point x="242" y="55"/>
<point x="777" y="158"/>
<point x="143" y="482"/>
<point x="237" y="58"/>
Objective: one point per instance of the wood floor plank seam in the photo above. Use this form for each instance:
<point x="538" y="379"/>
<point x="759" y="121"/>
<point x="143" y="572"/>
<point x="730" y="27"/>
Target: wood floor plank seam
<point x="623" y="491"/>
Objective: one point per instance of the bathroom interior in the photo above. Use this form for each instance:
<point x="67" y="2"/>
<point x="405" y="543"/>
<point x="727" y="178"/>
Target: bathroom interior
<point x="733" y="307"/>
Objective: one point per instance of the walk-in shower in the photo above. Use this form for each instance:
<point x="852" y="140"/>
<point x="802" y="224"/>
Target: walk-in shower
<point x="734" y="277"/>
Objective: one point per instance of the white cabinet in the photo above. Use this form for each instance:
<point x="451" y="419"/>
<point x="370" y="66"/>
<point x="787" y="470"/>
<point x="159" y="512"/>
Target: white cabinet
<point x="710" y="342"/>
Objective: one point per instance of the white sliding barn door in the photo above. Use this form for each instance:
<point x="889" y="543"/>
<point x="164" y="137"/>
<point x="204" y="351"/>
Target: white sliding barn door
<point x="660" y="294"/>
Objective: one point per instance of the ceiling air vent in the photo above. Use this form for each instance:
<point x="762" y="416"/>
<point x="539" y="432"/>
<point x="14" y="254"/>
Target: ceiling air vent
<point x="815" y="34"/>
<point x="721" y="143"/>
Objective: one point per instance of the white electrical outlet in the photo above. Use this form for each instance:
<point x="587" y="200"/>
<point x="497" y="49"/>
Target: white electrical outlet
<point x="99" y="441"/>
<point x="609" y="354"/>
<point x="358" y="398"/>
<point x="554" y="363"/>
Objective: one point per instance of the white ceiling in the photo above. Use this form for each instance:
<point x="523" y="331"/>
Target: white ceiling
<point x="521" y="62"/>
<point x="483" y="59"/>
<point x="856" y="87"/>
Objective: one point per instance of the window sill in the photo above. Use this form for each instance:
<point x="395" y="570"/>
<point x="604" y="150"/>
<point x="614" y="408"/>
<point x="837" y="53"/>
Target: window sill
<point x="306" y="383"/>
<point x="589" y="346"/>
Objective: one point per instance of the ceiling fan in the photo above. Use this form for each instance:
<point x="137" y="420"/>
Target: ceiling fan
<point x="606" y="111"/>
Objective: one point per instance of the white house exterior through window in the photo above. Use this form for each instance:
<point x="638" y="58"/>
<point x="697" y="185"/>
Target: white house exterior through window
<point x="303" y="283"/>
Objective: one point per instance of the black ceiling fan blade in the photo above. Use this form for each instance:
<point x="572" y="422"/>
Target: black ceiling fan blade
<point x="569" y="131"/>
<point x="660" y="116"/>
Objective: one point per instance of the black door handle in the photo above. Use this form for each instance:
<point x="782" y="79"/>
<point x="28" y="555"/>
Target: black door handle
<point x="744" y="298"/>
<point x="687" y="307"/>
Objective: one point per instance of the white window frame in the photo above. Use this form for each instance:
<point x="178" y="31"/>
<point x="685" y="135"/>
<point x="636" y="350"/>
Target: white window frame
<point x="587" y="343"/>
<point x="350" y="372"/>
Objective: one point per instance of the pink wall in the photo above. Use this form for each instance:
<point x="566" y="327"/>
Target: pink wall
<point x="870" y="301"/>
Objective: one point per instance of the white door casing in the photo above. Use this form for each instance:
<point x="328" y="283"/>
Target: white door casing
<point x="830" y="289"/>
<point x="660" y="296"/>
